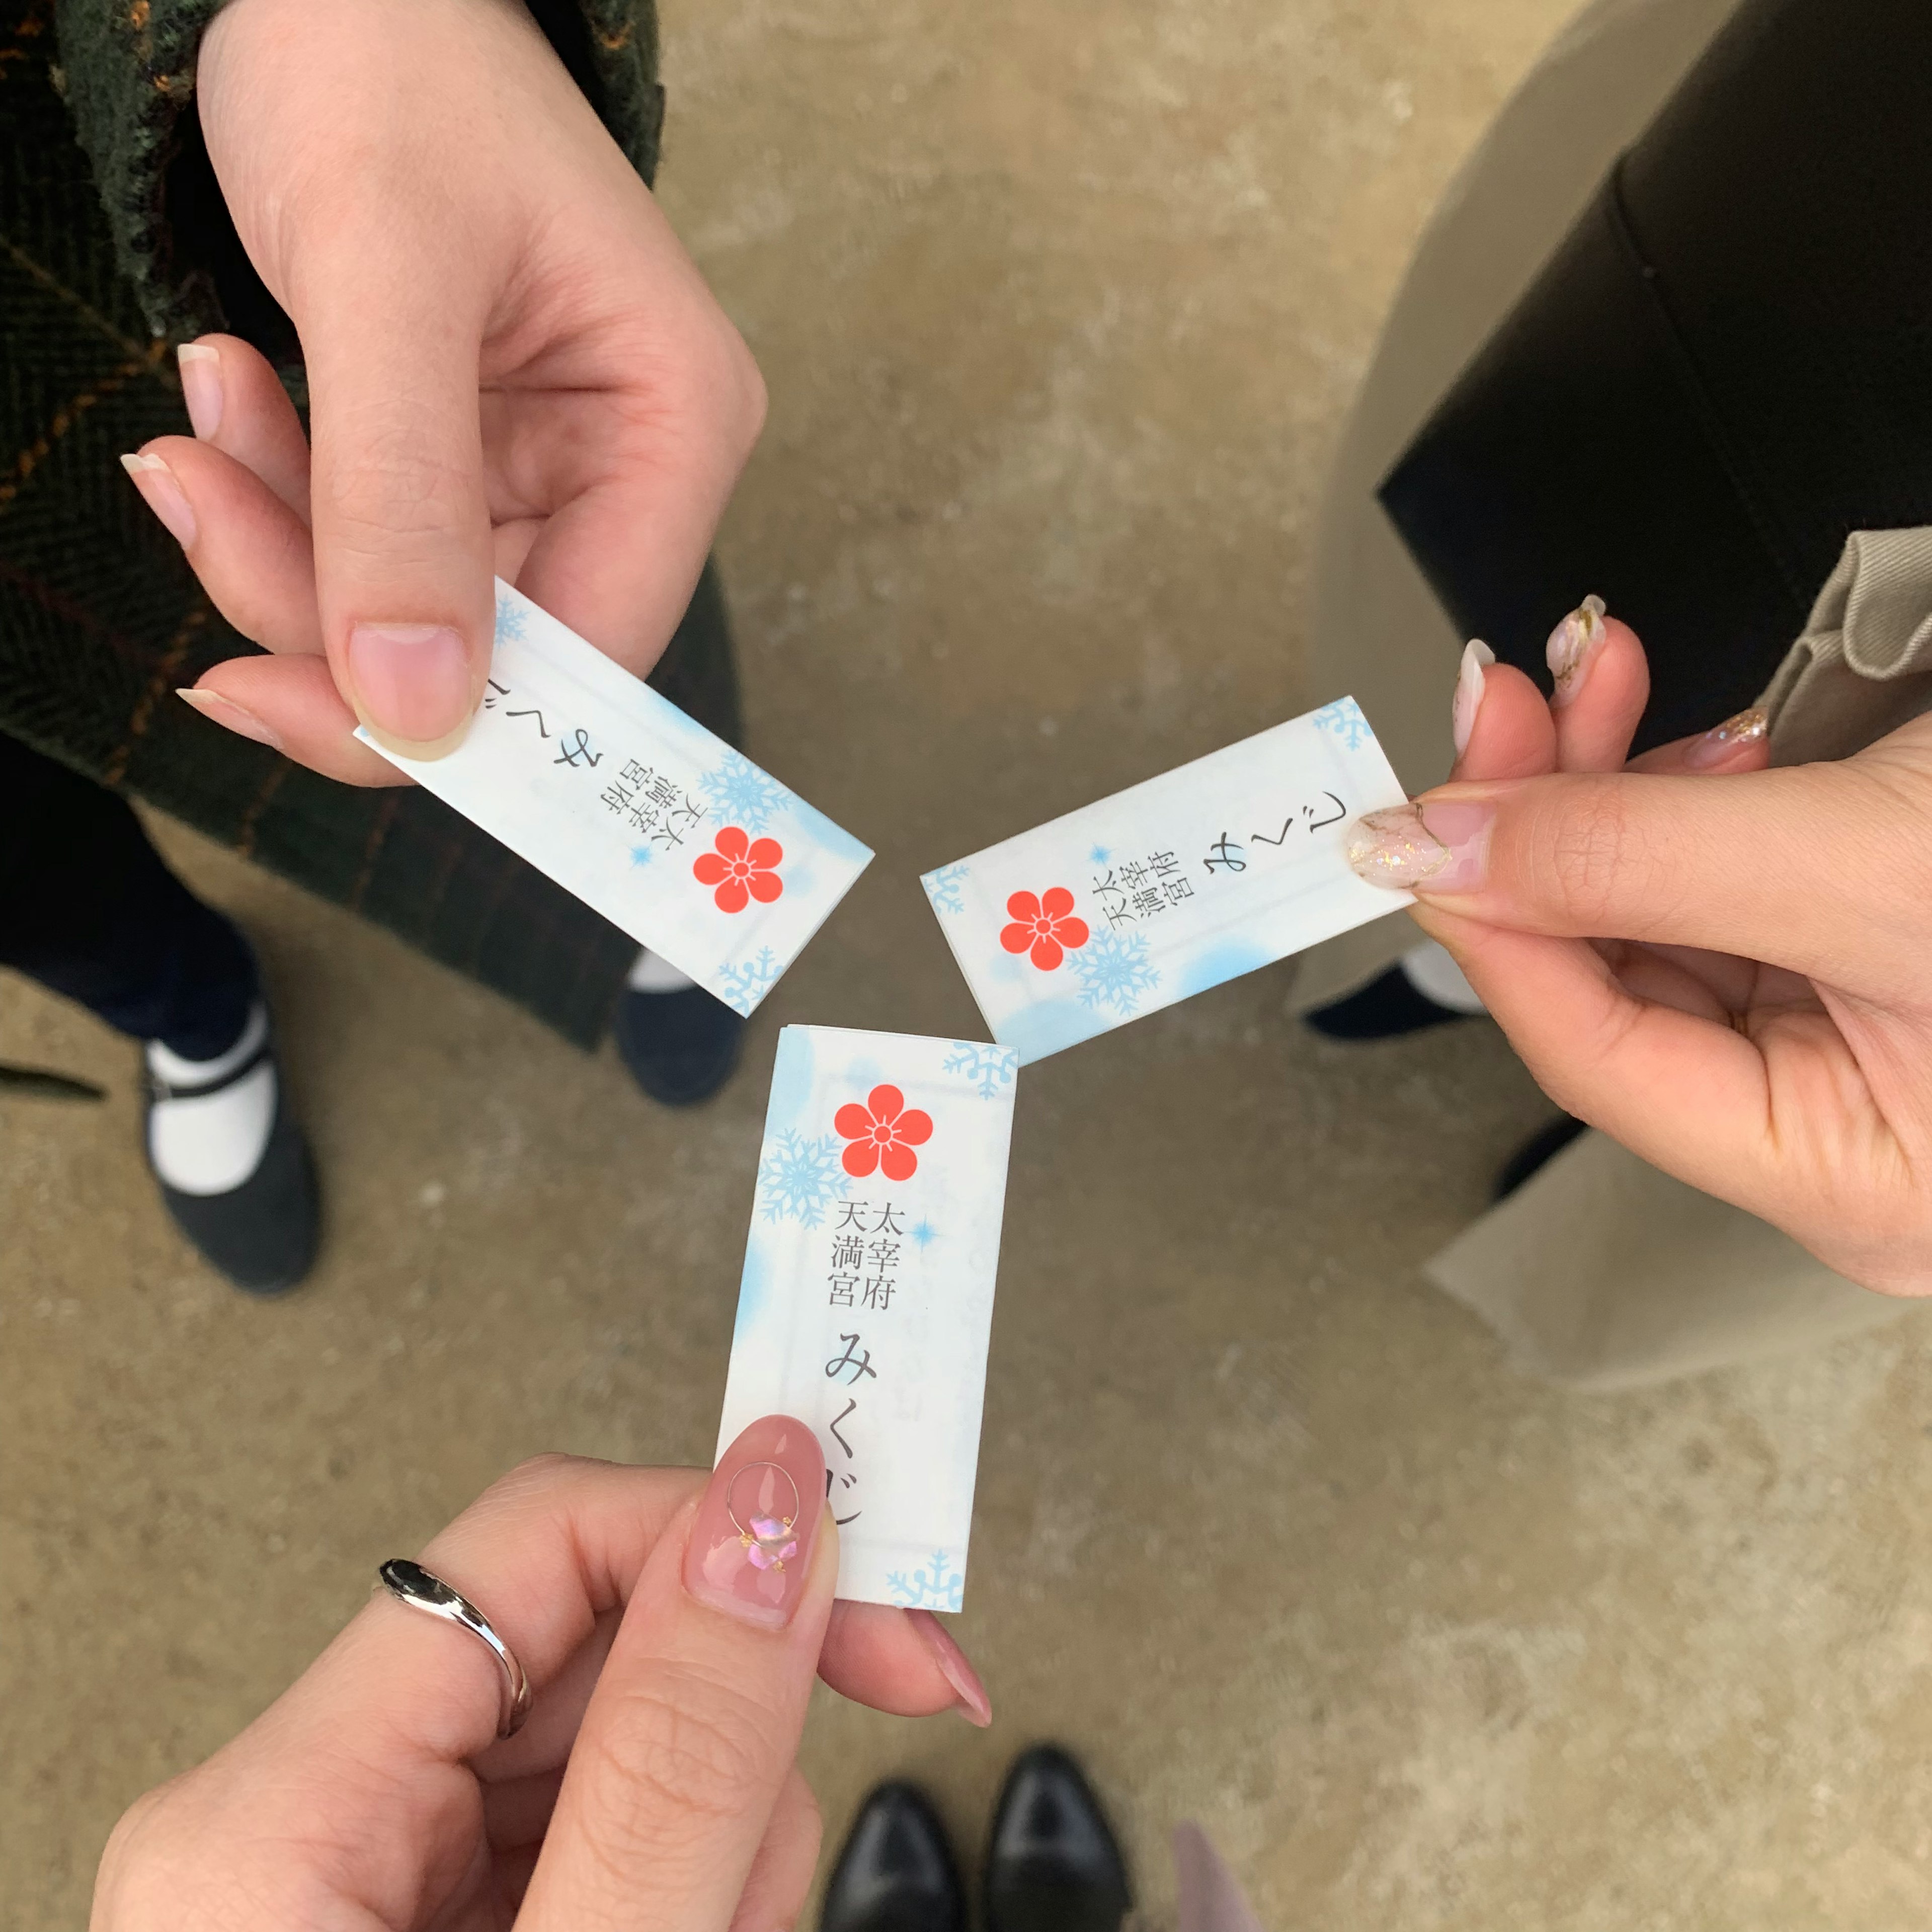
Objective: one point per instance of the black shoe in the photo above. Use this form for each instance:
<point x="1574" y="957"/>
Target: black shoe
<point x="1384" y="1009"/>
<point x="896" y="1873"/>
<point x="263" y="1234"/>
<point x="680" y="1047"/>
<point x="1053" y="1864"/>
<point x="1541" y="1147"/>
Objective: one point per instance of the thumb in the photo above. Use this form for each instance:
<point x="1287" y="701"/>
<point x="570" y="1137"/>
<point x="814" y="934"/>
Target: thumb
<point x="1787" y="867"/>
<point x="403" y="561"/>
<point x="687" y="1745"/>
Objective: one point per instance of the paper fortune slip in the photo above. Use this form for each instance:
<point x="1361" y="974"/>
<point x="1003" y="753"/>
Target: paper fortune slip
<point x="868" y="1292"/>
<point x="586" y="771"/>
<point x="1170" y="887"/>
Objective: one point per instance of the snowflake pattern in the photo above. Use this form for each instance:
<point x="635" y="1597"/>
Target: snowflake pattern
<point x="641" y="855"/>
<point x="1343" y="719"/>
<point x="742" y="986"/>
<point x="512" y="620"/>
<point x="991" y="1067"/>
<point x="741" y="794"/>
<point x="944" y="890"/>
<point x="800" y="1178"/>
<point x="1114" y="972"/>
<point x="937" y="1587"/>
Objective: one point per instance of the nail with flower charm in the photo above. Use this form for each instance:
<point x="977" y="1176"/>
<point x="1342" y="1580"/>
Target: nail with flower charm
<point x="1573" y="649"/>
<point x="741" y="868"/>
<point x="750" y="1546"/>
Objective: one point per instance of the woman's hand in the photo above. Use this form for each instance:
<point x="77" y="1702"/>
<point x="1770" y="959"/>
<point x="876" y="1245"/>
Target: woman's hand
<point x="653" y="1784"/>
<point x="513" y="367"/>
<point x="1729" y="969"/>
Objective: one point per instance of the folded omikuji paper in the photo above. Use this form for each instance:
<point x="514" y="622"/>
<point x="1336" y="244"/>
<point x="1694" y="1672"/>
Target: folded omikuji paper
<point x="868" y="1292"/>
<point x="586" y="771"/>
<point x="1170" y="887"/>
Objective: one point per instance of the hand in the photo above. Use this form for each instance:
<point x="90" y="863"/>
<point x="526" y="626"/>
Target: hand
<point x="1728" y="969"/>
<point x="513" y="367"/>
<point x="653" y="1784"/>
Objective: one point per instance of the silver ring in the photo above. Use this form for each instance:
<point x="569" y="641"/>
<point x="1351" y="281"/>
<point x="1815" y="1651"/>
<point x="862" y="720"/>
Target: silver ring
<point x="410" y="1583"/>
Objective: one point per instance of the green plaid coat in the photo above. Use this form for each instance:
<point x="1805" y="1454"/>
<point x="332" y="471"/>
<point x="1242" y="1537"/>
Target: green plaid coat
<point x="115" y="244"/>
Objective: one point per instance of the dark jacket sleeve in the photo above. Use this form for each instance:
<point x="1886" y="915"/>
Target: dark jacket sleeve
<point x="128" y="73"/>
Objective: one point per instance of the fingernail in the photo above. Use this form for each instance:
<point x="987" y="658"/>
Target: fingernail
<point x="1440" y="847"/>
<point x="201" y="386"/>
<point x="411" y="683"/>
<point x="975" y="1706"/>
<point x="1477" y="658"/>
<point x="161" y="491"/>
<point x="225" y="712"/>
<point x="750" y="1552"/>
<point x="1572" y="647"/>
<point x="1720" y="743"/>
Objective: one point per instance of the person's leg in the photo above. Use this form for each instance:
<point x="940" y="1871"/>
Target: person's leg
<point x="89" y="910"/>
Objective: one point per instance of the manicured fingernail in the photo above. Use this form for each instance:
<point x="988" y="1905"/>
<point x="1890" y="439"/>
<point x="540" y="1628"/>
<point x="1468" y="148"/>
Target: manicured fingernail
<point x="1477" y="658"/>
<point x="1717" y="745"/>
<point x="975" y="1706"/>
<point x="162" y="492"/>
<point x="1572" y="647"/>
<point x="201" y="386"/>
<point x="1440" y="847"/>
<point x="750" y="1552"/>
<point x="412" y="687"/>
<point x="225" y="711"/>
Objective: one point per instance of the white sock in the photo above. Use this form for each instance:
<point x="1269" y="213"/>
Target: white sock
<point x="1435" y="976"/>
<point x="650" y="974"/>
<point x="211" y="1143"/>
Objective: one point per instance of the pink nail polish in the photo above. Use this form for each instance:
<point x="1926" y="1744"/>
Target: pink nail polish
<point x="235" y="718"/>
<point x="1441" y="847"/>
<point x="200" y="367"/>
<point x="411" y="685"/>
<point x="1573" y="648"/>
<point x="750" y="1551"/>
<point x="1477" y="658"/>
<point x="975" y="1706"/>
<point x="1722" y="742"/>
<point x="160" y="489"/>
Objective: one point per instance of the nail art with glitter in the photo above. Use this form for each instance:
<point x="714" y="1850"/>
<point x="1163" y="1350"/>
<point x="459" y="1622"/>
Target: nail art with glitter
<point x="1724" y="741"/>
<point x="1440" y="847"/>
<point x="751" y="1547"/>
<point x="1573" y="648"/>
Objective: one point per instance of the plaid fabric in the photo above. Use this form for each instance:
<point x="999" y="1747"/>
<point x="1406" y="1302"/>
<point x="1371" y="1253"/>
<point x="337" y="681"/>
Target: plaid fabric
<point x="99" y="616"/>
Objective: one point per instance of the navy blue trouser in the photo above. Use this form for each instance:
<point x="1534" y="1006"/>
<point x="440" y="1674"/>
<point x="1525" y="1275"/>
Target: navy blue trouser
<point x="88" y="909"/>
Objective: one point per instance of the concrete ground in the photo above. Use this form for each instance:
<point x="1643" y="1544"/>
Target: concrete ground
<point x="1061" y="306"/>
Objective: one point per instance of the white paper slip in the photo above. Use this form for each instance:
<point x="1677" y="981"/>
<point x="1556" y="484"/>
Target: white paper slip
<point x="586" y="771"/>
<point x="1169" y="887"/>
<point x="867" y="1292"/>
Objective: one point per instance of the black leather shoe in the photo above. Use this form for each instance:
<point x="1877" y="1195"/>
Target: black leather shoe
<point x="896" y="1873"/>
<point x="262" y="1234"/>
<point x="1387" y="1007"/>
<point x="1541" y="1147"/>
<point x="1053" y="1865"/>
<point x="680" y="1047"/>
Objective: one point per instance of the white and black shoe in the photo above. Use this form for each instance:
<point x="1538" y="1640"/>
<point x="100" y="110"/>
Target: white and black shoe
<point x="680" y="1043"/>
<point x="232" y="1161"/>
<point x="1425" y="988"/>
